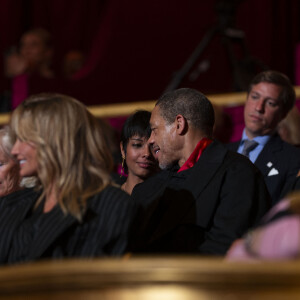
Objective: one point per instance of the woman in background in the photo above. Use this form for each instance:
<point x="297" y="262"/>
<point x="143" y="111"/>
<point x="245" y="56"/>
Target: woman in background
<point x="289" y="127"/>
<point x="79" y="213"/>
<point x="138" y="161"/>
<point x="9" y="167"/>
<point x="15" y="199"/>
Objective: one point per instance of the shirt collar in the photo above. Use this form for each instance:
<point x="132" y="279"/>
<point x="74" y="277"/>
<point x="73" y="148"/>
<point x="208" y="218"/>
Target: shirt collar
<point x="261" y="140"/>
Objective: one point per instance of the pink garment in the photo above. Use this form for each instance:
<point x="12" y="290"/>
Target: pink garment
<point x="19" y="89"/>
<point x="297" y="64"/>
<point x="279" y="239"/>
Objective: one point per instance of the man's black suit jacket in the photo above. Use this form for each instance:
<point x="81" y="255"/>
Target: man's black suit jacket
<point x="279" y="162"/>
<point x="203" y="209"/>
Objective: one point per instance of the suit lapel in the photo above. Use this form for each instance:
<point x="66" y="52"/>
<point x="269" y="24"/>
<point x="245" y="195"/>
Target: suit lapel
<point x="178" y="206"/>
<point x="268" y="158"/>
<point x="206" y="167"/>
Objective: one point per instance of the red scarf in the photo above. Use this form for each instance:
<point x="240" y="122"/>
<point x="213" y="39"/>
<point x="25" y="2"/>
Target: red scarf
<point x="195" y="155"/>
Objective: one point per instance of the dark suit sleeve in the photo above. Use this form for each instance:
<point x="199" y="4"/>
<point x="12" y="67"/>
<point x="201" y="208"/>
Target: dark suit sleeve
<point x="244" y="199"/>
<point x="292" y="164"/>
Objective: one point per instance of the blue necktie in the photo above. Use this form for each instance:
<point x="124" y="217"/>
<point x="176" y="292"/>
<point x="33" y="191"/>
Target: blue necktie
<point x="248" y="147"/>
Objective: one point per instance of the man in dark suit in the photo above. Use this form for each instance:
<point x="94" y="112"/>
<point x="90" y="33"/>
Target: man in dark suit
<point x="206" y="196"/>
<point x="270" y="97"/>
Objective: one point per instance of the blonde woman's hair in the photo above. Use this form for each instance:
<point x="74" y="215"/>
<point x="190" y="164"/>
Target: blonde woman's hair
<point x="72" y="154"/>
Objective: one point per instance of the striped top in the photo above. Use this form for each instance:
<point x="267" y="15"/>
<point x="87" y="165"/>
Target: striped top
<point x="103" y="230"/>
<point x="13" y="209"/>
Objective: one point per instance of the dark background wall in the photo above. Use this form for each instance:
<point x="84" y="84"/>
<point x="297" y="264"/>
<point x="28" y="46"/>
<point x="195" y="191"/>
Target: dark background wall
<point x="133" y="47"/>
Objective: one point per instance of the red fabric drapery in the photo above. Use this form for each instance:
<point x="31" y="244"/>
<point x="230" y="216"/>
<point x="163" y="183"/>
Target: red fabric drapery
<point x="133" y="47"/>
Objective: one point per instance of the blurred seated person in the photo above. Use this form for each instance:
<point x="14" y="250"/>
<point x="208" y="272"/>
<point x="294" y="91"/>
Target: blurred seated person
<point x="289" y="127"/>
<point x="223" y="126"/>
<point x="138" y="161"/>
<point x="34" y="56"/>
<point x="72" y="62"/>
<point x="79" y="212"/>
<point x="278" y="236"/>
<point x="112" y="138"/>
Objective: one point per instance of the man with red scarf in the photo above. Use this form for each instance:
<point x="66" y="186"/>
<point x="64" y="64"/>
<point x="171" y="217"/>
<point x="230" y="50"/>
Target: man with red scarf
<point x="206" y="196"/>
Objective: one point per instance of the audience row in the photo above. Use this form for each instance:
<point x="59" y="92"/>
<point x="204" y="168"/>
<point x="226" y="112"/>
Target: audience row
<point x="180" y="191"/>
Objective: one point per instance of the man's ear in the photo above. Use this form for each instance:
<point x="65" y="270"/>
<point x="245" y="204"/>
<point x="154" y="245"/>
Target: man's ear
<point x="181" y="124"/>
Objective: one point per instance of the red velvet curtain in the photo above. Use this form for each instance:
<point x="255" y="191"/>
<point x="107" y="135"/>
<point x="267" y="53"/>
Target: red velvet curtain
<point x="134" y="47"/>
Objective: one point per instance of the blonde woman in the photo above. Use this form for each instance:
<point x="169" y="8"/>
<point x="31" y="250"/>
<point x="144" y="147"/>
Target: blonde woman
<point x="79" y="212"/>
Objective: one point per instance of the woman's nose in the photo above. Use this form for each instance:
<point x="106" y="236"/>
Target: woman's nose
<point x="147" y="150"/>
<point x="14" y="150"/>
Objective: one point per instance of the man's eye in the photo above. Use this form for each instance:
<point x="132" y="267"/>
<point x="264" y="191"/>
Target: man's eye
<point x="272" y="104"/>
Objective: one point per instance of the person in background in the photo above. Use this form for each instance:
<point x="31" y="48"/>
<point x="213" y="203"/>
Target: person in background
<point x="9" y="166"/>
<point x="270" y="97"/>
<point x="223" y="126"/>
<point x="276" y="238"/>
<point x="32" y="57"/>
<point x="289" y="127"/>
<point x="16" y="193"/>
<point x="79" y="213"/>
<point x="138" y="161"/>
<point x="72" y="63"/>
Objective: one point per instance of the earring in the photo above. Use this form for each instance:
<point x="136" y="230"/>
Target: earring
<point x="122" y="168"/>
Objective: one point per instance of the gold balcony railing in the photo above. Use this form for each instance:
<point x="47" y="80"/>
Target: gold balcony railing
<point x="125" y="109"/>
<point x="147" y="278"/>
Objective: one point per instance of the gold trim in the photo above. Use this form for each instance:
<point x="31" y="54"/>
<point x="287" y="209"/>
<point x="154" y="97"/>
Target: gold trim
<point x="125" y="109"/>
<point x="170" y="277"/>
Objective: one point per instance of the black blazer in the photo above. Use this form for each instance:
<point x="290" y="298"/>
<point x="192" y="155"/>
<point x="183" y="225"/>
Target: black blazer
<point x="279" y="162"/>
<point x="203" y="209"/>
<point x="13" y="209"/>
<point x="104" y="230"/>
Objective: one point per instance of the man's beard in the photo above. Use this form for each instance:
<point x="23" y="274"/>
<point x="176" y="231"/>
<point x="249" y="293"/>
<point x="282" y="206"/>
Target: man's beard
<point x="165" y="165"/>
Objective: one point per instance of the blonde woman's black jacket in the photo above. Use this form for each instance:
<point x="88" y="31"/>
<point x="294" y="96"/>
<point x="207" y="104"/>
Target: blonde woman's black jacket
<point x="103" y="231"/>
<point x="13" y="210"/>
<point x="203" y="209"/>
